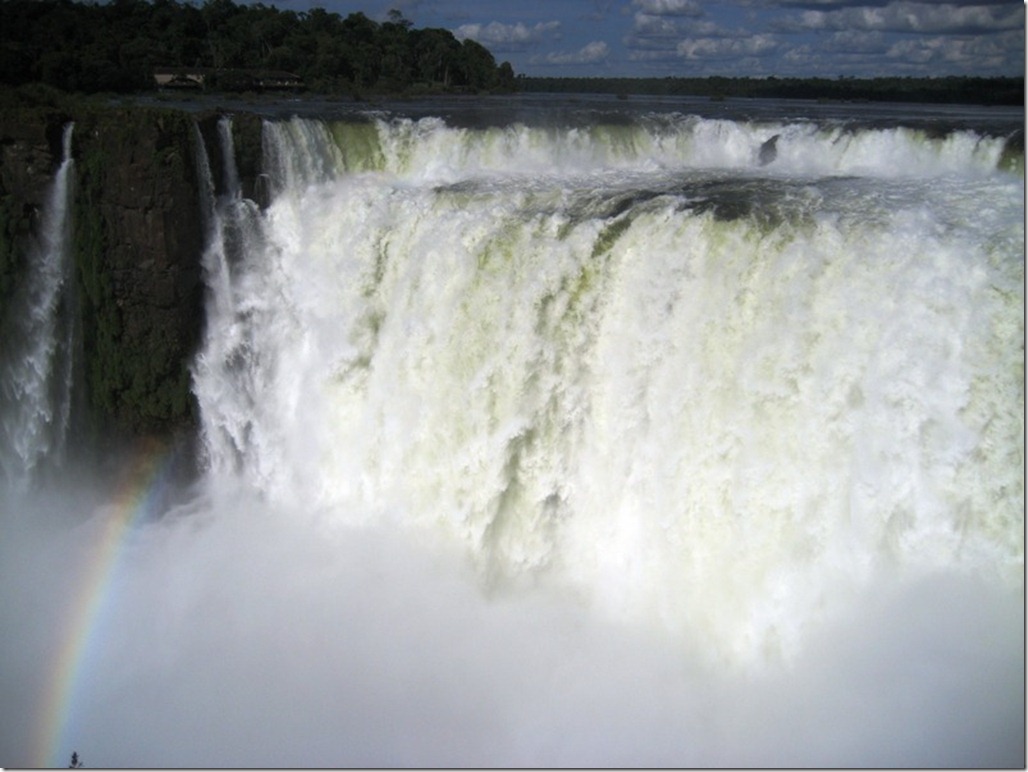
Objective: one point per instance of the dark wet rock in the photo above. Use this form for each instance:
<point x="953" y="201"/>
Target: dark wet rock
<point x="137" y="240"/>
<point x="769" y="150"/>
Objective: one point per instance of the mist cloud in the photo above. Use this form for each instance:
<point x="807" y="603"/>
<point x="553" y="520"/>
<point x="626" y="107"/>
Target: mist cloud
<point x="239" y="634"/>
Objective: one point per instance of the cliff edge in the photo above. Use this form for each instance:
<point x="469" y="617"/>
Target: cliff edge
<point x="138" y="232"/>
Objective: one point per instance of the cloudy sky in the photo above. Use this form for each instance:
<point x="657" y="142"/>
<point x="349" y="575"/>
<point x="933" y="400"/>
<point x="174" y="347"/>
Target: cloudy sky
<point x="756" y="38"/>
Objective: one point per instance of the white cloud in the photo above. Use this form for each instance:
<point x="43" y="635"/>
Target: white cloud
<point x="799" y="56"/>
<point x="857" y="40"/>
<point x="597" y="51"/>
<point x="654" y="26"/>
<point x="508" y="36"/>
<point x="656" y="55"/>
<point x="662" y="30"/>
<point x="917" y="17"/>
<point x="920" y="51"/>
<point x="823" y="3"/>
<point x="982" y="52"/>
<point x="701" y="48"/>
<point x="668" y="7"/>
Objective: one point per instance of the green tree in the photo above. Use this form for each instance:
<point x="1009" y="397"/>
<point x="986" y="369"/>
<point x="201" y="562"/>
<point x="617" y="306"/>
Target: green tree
<point x="505" y="80"/>
<point x="436" y="56"/>
<point x="361" y="35"/>
<point x="114" y="45"/>
<point x="477" y="66"/>
<point x="397" y="54"/>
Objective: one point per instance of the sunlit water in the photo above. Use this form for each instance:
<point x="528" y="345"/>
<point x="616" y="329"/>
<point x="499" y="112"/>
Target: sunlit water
<point x="602" y="438"/>
<point x="35" y="364"/>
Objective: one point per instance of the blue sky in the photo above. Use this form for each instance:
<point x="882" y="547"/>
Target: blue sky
<point x="756" y="38"/>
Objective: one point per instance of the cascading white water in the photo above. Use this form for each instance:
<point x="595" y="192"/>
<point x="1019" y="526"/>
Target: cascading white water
<point x="714" y="397"/>
<point x="36" y="359"/>
<point x="650" y="442"/>
<point x="234" y="246"/>
<point x="429" y="148"/>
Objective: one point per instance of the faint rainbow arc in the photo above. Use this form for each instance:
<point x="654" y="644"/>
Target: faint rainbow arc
<point x="136" y="497"/>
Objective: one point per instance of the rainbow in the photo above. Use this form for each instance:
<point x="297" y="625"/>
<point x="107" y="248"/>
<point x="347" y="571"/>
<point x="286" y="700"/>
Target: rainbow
<point x="137" y="497"/>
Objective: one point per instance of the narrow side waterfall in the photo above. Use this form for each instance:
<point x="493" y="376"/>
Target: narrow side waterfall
<point x="225" y="380"/>
<point x="36" y="360"/>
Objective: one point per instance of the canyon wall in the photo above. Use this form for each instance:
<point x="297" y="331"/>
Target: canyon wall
<point x="138" y="234"/>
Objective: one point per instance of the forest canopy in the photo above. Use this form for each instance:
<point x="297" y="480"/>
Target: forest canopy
<point x="116" y="46"/>
<point x="119" y="46"/>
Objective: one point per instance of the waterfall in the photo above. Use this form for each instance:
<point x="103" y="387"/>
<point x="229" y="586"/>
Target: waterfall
<point x="36" y="366"/>
<point x="225" y="380"/>
<point x="632" y="374"/>
<point x="539" y="445"/>
<point x="228" y="157"/>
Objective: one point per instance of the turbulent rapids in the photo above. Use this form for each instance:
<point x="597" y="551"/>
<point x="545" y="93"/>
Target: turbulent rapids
<point x="711" y="391"/>
<point x="749" y="393"/>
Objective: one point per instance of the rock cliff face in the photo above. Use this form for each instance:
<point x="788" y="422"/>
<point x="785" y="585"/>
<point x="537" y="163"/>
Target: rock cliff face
<point x="138" y="237"/>
<point x="30" y="150"/>
<point x="138" y="228"/>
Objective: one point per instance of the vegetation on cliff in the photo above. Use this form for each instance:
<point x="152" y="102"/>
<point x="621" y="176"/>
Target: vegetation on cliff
<point x="115" y="47"/>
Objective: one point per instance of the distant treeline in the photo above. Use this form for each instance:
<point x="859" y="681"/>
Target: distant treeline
<point x="965" y="90"/>
<point x="115" y="46"/>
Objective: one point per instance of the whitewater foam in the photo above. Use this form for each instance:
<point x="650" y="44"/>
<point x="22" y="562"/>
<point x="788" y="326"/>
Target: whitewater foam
<point x="753" y="390"/>
<point x="36" y="364"/>
<point x="623" y="450"/>
<point x="430" y="149"/>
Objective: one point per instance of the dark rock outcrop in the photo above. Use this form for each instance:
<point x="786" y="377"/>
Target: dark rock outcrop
<point x="138" y="240"/>
<point x="138" y="237"/>
<point x="769" y="150"/>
